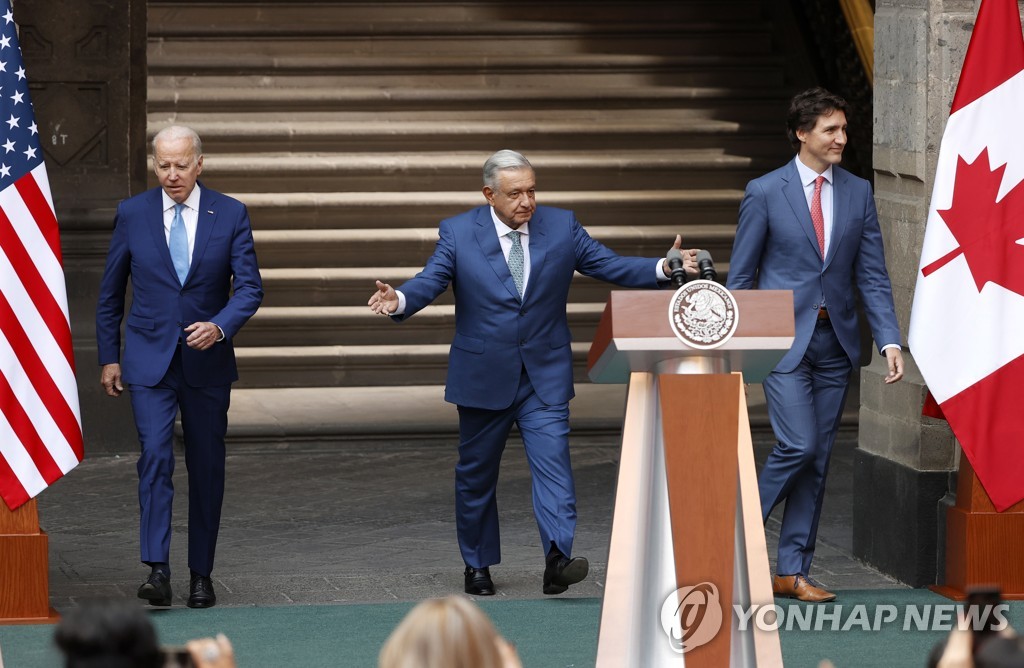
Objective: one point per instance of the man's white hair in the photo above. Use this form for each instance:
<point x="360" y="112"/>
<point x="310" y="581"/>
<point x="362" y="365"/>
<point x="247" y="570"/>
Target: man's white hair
<point x="172" y="132"/>
<point x="500" y="161"/>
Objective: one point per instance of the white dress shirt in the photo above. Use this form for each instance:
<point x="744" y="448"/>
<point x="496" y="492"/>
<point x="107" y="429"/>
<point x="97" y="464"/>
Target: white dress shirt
<point x="189" y="214"/>
<point x="807" y="178"/>
<point x="502" y="230"/>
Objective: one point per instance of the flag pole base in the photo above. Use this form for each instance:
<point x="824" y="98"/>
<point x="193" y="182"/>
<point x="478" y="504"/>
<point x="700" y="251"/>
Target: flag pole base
<point x="981" y="543"/>
<point x="24" y="568"/>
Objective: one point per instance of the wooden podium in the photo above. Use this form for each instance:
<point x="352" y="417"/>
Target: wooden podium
<point x="983" y="546"/>
<point x="687" y="510"/>
<point x="24" y="568"/>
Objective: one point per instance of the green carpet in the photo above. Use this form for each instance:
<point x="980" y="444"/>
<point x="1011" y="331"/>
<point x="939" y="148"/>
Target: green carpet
<point x="548" y="633"/>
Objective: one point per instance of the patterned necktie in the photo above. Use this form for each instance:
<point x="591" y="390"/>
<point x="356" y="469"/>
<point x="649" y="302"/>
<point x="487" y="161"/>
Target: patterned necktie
<point x="178" y="244"/>
<point x="515" y="261"/>
<point x="816" y="217"/>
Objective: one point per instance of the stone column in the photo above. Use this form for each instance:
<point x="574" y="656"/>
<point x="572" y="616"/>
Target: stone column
<point x="902" y="467"/>
<point x="86" y="67"/>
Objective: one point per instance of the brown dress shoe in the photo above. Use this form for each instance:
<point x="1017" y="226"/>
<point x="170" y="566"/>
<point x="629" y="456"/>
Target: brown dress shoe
<point x="800" y="588"/>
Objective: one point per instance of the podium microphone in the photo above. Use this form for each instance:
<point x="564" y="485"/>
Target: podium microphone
<point x="706" y="266"/>
<point x="675" y="267"/>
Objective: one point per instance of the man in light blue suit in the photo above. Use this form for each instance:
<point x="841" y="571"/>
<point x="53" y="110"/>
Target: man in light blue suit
<point x="811" y="227"/>
<point x="189" y="253"/>
<point x="510" y="264"/>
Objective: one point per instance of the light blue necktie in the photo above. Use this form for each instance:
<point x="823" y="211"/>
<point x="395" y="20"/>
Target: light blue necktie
<point x="516" y="261"/>
<point x="179" y="244"/>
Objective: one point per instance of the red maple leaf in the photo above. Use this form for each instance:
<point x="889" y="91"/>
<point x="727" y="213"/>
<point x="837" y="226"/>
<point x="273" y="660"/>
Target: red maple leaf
<point x="986" y="230"/>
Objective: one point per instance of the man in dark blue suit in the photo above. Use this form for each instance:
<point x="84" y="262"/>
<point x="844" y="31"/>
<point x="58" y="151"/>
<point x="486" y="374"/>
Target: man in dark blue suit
<point x="510" y="264"/>
<point x="811" y="227"/>
<point x="189" y="253"/>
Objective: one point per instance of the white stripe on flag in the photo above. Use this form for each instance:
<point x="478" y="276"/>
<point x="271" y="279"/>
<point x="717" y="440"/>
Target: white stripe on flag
<point x="37" y="410"/>
<point x="35" y="243"/>
<point x="39" y="174"/>
<point x="19" y="460"/>
<point x="39" y="334"/>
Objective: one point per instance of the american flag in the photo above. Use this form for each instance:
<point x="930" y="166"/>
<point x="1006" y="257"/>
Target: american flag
<point x="40" y="421"/>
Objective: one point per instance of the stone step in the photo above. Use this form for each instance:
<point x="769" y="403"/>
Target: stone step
<point x="410" y="247"/>
<point x="314" y="417"/>
<point x="183" y="18"/>
<point x="349" y="210"/>
<point x="292" y="418"/>
<point x="765" y="102"/>
<point x="357" y="325"/>
<point x="657" y="169"/>
<point x="517" y="71"/>
<point x="350" y="128"/>
<point x="354" y="365"/>
<point x="324" y="132"/>
<point x="481" y="40"/>
<point x="722" y="116"/>
<point x="299" y="418"/>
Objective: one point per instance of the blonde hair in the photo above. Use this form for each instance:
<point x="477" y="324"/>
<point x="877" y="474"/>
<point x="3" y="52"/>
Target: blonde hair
<point x="449" y="632"/>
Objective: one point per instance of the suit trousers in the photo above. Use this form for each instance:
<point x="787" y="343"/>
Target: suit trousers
<point x="805" y="407"/>
<point x="482" y="435"/>
<point x="204" y="422"/>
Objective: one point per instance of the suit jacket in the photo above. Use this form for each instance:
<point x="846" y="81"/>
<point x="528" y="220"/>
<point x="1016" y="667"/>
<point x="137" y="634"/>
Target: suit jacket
<point x="777" y="249"/>
<point x="223" y="258"/>
<point x="496" y="334"/>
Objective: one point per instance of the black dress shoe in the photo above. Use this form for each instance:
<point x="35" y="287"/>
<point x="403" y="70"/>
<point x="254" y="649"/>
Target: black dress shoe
<point x="156" y="589"/>
<point x="200" y="592"/>
<point x="478" y="581"/>
<point x="562" y="572"/>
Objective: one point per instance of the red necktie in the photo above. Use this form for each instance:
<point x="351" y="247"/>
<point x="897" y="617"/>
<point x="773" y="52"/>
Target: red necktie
<point x="816" y="217"/>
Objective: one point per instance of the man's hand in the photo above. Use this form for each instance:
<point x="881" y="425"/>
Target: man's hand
<point x="895" y="359"/>
<point x="110" y="379"/>
<point x="384" y="301"/>
<point x="202" y="335"/>
<point x="689" y="258"/>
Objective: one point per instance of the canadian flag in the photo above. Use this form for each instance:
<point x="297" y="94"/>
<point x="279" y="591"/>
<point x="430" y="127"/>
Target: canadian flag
<point x="967" y="321"/>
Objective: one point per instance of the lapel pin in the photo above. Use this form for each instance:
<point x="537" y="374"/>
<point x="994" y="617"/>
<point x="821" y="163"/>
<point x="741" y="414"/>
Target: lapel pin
<point x="208" y="211"/>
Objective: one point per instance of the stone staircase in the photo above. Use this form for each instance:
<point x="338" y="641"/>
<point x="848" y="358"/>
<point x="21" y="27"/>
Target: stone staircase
<point x="351" y="128"/>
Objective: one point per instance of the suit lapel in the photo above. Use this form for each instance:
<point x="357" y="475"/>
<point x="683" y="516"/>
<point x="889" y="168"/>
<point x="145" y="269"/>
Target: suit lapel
<point x="840" y="211"/>
<point x="155" y="221"/>
<point x="538" y="241"/>
<point x="491" y="248"/>
<point x="204" y="227"/>
<point x="794" y="192"/>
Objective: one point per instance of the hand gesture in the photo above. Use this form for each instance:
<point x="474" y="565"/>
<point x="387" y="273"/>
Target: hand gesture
<point x="384" y="301"/>
<point x="689" y="258"/>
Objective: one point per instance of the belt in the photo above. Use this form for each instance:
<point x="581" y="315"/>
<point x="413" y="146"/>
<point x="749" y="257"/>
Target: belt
<point x="823" y="314"/>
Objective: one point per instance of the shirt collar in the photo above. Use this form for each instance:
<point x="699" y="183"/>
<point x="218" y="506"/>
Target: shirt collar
<point x="502" y="229"/>
<point x="807" y="175"/>
<point x="192" y="201"/>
